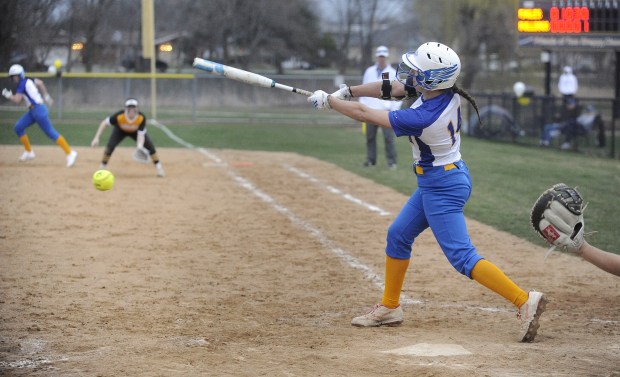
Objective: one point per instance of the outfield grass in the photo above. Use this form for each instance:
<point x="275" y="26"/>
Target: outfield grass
<point x="507" y="178"/>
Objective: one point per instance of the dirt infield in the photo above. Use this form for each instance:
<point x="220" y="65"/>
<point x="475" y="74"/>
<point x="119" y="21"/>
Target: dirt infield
<point x="253" y="264"/>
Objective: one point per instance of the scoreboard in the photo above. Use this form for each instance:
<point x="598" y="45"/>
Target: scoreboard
<point x="569" y="23"/>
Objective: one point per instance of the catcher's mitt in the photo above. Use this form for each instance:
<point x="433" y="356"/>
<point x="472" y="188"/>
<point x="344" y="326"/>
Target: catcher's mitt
<point x="141" y="155"/>
<point x="557" y="216"/>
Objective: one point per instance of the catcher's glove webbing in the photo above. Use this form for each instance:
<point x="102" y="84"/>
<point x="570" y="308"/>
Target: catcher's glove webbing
<point x="557" y="216"/>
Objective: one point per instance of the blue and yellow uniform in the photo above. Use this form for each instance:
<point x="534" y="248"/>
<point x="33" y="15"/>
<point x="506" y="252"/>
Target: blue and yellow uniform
<point x="37" y="110"/>
<point x="433" y="125"/>
<point x="29" y="90"/>
<point x="444" y="184"/>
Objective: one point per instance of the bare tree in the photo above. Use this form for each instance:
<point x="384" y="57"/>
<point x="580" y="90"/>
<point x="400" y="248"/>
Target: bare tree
<point x="368" y="16"/>
<point x="258" y="31"/>
<point x="471" y="27"/>
<point x="347" y="15"/>
<point x="27" y="29"/>
<point x="378" y="19"/>
<point x="287" y="36"/>
<point x="87" y="16"/>
<point x="363" y="24"/>
<point x="8" y="40"/>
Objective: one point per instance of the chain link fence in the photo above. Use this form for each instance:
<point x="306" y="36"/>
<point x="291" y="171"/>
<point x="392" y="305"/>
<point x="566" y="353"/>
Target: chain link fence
<point x="211" y="99"/>
<point x="539" y="120"/>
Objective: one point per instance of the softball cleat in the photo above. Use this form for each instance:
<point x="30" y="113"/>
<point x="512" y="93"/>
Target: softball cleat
<point x="71" y="157"/>
<point x="160" y="170"/>
<point x="529" y="314"/>
<point x="379" y="315"/>
<point x="27" y="156"/>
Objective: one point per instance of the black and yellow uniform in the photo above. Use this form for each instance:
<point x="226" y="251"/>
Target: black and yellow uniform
<point x="128" y="122"/>
<point x="123" y="127"/>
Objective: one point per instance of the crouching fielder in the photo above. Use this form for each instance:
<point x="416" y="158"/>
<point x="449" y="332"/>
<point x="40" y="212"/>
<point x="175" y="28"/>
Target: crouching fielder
<point x="433" y="125"/>
<point x="129" y="122"/>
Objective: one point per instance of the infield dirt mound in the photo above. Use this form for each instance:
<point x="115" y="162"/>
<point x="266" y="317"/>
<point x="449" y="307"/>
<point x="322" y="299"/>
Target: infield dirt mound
<point x="253" y="263"/>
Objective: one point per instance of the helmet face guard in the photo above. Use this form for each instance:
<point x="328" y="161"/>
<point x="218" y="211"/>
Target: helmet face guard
<point x="409" y="75"/>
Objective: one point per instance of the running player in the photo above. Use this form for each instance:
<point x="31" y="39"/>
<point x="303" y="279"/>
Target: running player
<point x="129" y="122"/>
<point x="433" y="125"/>
<point x="34" y="92"/>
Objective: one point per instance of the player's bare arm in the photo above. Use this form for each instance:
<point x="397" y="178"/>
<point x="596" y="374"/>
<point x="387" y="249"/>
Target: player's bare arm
<point x="41" y="86"/>
<point x="14" y="97"/>
<point x="140" y="138"/>
<point x="359" y="112"/>
<point x="43" y="89"/>
<point x="604" y="260"/>
<point x="373" y="89"/>
<point x="102" y="127"/>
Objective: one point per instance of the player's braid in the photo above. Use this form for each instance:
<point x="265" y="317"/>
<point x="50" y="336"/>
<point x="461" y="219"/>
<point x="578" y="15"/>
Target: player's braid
<point x="469" y="98"/>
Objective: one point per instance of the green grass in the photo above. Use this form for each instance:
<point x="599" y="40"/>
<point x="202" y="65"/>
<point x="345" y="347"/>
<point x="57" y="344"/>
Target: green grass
<point x="507" y="178"/>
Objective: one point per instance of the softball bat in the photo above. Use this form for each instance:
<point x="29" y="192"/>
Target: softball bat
<point x="244" y="76"/>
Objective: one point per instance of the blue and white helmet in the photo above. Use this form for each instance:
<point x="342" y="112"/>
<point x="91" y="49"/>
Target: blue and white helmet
<point x="433" y="66"/>
<point x="17" y="70"/>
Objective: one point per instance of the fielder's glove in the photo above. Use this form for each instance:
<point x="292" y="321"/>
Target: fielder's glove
<point x="557" y="216"/>
<point x="7" y="93"/>
<point x="141" y="155"/>
<point x="344" y="93"/>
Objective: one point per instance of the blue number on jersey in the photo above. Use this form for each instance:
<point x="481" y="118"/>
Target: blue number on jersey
<point x="458" y="127"/>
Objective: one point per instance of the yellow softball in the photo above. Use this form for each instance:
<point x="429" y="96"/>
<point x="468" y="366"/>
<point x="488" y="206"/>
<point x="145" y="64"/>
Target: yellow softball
<point x="103" y="180"/>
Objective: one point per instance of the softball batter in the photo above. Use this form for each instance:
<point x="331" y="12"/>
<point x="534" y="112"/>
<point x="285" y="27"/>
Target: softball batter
<point x="129" y="122"/>
<point x="433" y="125"/>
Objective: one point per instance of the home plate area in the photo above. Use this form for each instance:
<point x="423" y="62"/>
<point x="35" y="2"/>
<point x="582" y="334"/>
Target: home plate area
<point x="425" y="349"/>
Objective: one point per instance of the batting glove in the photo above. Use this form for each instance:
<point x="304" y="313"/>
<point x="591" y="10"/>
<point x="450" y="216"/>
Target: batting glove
<point x="344" y="93"/>
<point x="7" y="93"/>
<point x="319" y="100"/>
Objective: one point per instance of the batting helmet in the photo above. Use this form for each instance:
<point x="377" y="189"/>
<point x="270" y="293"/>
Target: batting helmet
<point x="17" y="70"/>
<point x="433" y="66"/>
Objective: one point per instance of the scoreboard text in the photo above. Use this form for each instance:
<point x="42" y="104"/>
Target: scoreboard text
<point x="568" y="17"/>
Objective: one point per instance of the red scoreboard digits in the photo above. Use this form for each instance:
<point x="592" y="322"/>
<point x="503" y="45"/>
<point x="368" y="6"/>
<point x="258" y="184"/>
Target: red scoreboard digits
<point x="568" y="17"/>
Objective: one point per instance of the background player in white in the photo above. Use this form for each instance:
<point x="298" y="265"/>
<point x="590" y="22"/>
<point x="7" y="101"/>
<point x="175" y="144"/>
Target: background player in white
<point x="568" y="83"/>
<point x="34" y="92"/>
<point x="433" y="125"/>
<point x="373" y="74"/>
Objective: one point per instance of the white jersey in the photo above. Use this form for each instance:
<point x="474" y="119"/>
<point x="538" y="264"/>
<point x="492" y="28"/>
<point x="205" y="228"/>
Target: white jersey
<point x="433" y="127"/>
<point x="568" y="84"/>
<point x="30" y="91"/>
<point x="373" y="74"/>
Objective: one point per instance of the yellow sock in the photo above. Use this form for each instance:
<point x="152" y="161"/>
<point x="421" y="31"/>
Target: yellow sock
<point x="63" y="144"/>
<point x="395" y="270"/>
<point x="24" y="139"/>
<point x="490" y="276"/>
